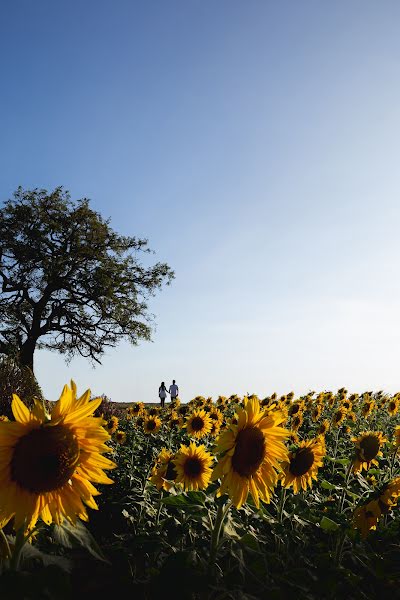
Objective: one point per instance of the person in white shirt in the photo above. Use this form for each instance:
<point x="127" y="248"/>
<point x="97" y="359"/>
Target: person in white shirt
<point x="173" y="390"/>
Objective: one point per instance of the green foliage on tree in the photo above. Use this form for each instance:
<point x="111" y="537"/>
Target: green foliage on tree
<point x="68" y="281"/>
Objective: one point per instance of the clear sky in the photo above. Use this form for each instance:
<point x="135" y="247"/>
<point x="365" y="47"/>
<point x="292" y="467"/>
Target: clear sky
<point x="256" y="145"/>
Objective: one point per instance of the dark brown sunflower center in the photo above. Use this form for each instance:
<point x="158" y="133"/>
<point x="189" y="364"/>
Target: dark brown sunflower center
<point x="153" y="412"/>
<point x="249" y="451"/>
<point x="170" y="472"/>
<point x="197" y="423"/>
<point x="192" y="467"/>
<point x="151" y="425"/>
<point x="301" y="462"/>
<point x="369" y="447"/>
<point x="338" y="416"/>
<point x="45" y="458"/>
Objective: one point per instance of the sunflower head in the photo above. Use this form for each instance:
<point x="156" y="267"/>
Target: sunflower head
<point x="302" y="464"/>
<point x="111" y="425"/>
<point x="152" y="424"/>
<point x="367" y="449"/>
<point x="47" y="462"/>
<point x="250" y="454"/>
<point x="339" y="416"/>
<point x="198" y="424"/>
<point x="120" y="437"/>
<point x="193" y="467"/>
<point x="163" y="474"/>
<point x="297" y="421"/>
<point x="324" y="426"/>
<point x="366" y="517"/>
<point x="153" y="412"/>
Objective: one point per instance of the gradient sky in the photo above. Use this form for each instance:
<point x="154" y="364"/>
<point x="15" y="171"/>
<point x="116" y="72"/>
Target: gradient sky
<point x="256" y="145"/>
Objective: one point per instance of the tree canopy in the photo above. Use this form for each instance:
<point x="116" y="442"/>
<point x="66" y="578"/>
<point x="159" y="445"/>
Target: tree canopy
<point x="68" y="281"/>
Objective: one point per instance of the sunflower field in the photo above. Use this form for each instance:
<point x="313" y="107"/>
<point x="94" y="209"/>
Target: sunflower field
<point x="236" y="498"/>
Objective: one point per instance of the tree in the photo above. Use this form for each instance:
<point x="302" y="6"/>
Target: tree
<point x="68" y="281"/>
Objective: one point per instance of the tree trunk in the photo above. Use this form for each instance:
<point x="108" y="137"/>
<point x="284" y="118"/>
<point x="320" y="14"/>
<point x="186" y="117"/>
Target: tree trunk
<point x="26" y="354"/>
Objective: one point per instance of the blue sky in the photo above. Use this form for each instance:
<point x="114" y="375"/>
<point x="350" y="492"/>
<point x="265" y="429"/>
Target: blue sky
<point x="255" y="144"/>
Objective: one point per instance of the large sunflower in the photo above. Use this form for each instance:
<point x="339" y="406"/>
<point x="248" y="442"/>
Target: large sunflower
<point x="198" y="424"/>
<point x="193" y="467"/>
<point x="368" y="448"/>
<point x="302" y="466"/>
<point x="250" y="454"/>
<point x="47" y="463"/>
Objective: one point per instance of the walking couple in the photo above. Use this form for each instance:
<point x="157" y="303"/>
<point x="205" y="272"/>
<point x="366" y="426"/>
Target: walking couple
<point x="162" y="392"/>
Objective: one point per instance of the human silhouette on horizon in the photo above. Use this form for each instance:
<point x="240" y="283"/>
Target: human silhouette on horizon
<point x="162" y="394"/>
<point x="173" y="390"/>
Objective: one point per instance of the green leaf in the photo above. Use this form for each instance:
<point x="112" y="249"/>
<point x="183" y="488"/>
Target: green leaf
<point x="185" y="500"/>
<point x="327" y="486"/>
<point x="250" y="540"/>
<point x="328" y="525"/>
<point x="71" y="536"/>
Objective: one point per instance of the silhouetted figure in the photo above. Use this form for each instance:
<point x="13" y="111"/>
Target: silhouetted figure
<point x="162" y="394"/>
<point x="173" y="390"/>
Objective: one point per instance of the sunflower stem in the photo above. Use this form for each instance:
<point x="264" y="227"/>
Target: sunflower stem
<point x="7" y="545"/>
<point x="346" y="482"/>
<point x="20" y="541"/>
<point x="219" y="520"/>
<point x="159" y="508"/>
<point x="281" y="504"/>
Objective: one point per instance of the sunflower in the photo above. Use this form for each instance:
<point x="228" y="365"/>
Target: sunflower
<point x="347" y="404"/>
<point x="392" y="407"/>
<point x="120" y="437"/>
<point x="140" y="421"/>
<point x="216" y="415"/>
<point x="175" y="420"/>
<point x="367" y="407"/>
<point x="215" y="428"/>
<point x="339" y="417"/>
<point x="297" y="422"/>
<point x="235" y="419"/>
<point x="182" y="410"/>
<point x="397" y="436"/>
<point x="389" y="495"/>
<point x="351" y="416"/>
<point x="198" y="424"/>
<point x="366" y="517"/>
<point x="164" y="473"/>
<point x="152" y="424"/>
<point x="193" y="467"/>
<point x="250" y="453"/>
<point x="302" y="465"/>
<point x="368" y="448"/>
<point x="174" y="403"/>
<point x="47" y="463"/>
<point x="111" y="425"/>
<point x="295" y="408"/>
<point x="137" y="408"/>
<point x="323" y="428"/>
<point x="153" y="412"/>
<point x="316" y="413"/>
